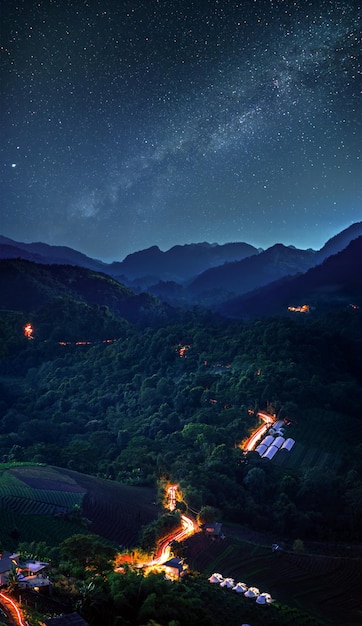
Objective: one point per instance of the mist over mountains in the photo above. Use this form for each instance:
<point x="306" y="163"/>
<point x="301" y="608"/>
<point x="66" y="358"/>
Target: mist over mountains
<point x="236" y="279"/>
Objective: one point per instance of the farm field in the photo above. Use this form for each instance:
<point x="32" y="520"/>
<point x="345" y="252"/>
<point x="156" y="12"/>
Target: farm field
<point x="34" y="499"/>
<point x="328" y="588"/>
<point x="304" y="456"/>
<point x="117" y="511"/>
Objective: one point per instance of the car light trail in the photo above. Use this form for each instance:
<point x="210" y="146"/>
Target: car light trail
<point x="188" y="528"/>
<point x="15" y="610"/>
<point x="259" y="432"/>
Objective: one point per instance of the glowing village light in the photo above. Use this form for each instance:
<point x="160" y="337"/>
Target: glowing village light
<point x="28" y="331"/>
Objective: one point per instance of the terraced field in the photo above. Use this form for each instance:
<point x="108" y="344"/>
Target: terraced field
<point x="117" y="511"/>
<point x="35" y="500"/>
<point x="326" y="587"/>
<point x="304" y="456"/>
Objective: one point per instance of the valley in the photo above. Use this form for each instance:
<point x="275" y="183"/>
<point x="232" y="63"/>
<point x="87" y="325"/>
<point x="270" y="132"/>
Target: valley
<point x="109" y="398"/>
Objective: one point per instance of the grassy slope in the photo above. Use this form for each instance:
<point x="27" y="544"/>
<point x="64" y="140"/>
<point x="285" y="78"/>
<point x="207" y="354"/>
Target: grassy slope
<point x="326" y="587"/>
<point x="31" y="496"/>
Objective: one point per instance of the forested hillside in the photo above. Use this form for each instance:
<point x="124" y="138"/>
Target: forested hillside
<point x="175" y="401"/>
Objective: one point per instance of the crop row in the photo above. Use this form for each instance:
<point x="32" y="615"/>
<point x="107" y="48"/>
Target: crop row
<point x="35" y="528"/>
<point x="40" y="501"/>
<point x="117" y="521"/>
<point x="117" y="508"/>
<point x="27" y="507"/>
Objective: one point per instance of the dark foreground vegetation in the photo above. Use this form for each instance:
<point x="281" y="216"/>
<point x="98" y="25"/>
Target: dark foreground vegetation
<point x="85" y="580"/>
<point x="174" y="402"/>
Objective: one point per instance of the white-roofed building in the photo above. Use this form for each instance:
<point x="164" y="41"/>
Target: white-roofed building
<point x="261" y="448"/>
<point x="268" y="440"/>
<point x="278" y="441"/>
<point x="270" y="453"/>
<point x="288" y="444"/>
<point x="30" y="573"/>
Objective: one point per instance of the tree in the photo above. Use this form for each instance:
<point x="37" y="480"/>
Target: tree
<point x="207" y="515"/>
<point x="13" y="579"/>
<point x="298" y="546"/>
<point x="88" y="552"/>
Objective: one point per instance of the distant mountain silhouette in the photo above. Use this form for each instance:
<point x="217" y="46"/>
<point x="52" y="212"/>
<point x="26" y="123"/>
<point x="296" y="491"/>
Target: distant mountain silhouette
<point x="339" y="241"/>
<point x="139" y="269"/>
<point x="46" y="254"/>
<point x="336" y="282"/>
<point x="243" y="276"/>
<point x="197" y="273"/>
<point x="180" y="263"/>
<point x="26" y="287"/>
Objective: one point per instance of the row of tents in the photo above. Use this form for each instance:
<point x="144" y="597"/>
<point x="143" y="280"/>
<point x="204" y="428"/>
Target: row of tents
<point x="248" y="592"/>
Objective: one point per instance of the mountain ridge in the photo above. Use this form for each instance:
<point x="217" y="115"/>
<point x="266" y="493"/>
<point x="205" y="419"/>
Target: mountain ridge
<point x="334" y="280"/>
<point x="210" y="275"/>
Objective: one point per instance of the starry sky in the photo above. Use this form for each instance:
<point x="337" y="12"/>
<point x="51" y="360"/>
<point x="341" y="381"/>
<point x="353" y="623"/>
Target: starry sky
<point x="132" y="123"/>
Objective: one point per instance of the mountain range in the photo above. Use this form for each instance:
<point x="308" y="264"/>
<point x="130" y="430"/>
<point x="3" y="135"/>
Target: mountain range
<point x="234" y="278"/>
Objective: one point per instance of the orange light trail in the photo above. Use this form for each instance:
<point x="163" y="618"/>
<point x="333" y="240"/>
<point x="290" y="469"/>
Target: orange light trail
<point x="15" y="609"/>
<point x="164" y="551"/>
<point x="259" y="432"/>
<point x="188" y="528"/>
<point x="254" y="438"/>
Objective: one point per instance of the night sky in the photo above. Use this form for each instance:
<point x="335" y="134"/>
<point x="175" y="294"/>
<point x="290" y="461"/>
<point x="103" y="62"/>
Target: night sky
<point x="132" y="123"/>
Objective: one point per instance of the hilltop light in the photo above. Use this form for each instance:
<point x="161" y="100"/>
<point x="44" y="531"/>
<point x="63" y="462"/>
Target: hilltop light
<point x="304" y="308"/>
<point x="28" y="331"/>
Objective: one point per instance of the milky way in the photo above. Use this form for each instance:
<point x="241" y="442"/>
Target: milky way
<point x="142" y="122"/>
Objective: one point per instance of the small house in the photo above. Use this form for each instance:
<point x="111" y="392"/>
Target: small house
<point x="213" y="530"/>
<point x="30" y="573"/>
<point x="174" y="568"/>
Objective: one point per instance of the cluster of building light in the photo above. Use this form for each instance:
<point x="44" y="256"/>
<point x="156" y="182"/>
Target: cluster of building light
<point x="304" y="308"/>
<point x="29" y="334"/>
<point x="182" y="350"/>
<point x="28" y="331"/>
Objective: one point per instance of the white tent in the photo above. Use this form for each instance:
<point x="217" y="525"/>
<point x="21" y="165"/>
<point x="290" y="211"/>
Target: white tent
<point x="240" y="588"/>
<point x="216" y="578"/>
<point x="228" y="582"/>
<point x="264" y="598"/>
<point x="252" y="592"/>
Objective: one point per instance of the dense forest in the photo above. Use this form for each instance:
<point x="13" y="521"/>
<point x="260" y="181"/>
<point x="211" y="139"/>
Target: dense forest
<point x="176" y="399"/>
